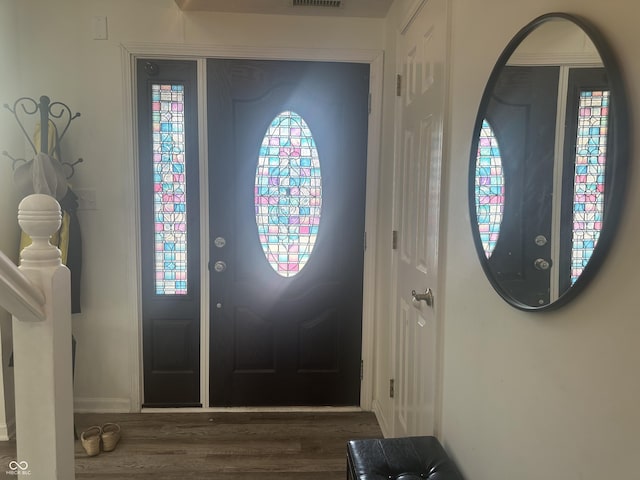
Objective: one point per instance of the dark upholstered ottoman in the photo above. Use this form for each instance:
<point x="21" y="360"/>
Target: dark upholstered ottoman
<point x="399" y="459"/>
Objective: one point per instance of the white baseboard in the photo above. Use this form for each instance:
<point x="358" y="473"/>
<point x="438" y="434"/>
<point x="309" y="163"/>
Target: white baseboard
<point x="382" y="421"/>
<point x="7" y="430"/>
<point x="101" y="405"/>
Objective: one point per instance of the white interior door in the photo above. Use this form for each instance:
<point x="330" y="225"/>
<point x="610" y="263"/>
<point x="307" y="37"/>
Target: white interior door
<point x="421" y="63"/>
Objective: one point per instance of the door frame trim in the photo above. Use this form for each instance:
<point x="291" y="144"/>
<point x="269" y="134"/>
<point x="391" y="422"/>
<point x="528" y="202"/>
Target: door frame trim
<point x="130" y="52"/>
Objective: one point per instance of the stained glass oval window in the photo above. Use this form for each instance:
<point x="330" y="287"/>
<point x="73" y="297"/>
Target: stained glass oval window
<point x="288" y="194"/>
<point x="489" y="188"/>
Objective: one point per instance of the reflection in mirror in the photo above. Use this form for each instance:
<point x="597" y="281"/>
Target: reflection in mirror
<point x="543" y="162"/>
<point x="489" y="193"/>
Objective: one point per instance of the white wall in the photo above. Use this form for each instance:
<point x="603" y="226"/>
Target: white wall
<point x="11" y="141"/>
<point x="552" y="395"/>
<point x="58" y="57"/>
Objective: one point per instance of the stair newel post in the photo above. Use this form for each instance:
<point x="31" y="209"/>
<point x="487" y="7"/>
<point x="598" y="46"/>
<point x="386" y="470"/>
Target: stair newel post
<point x="42" y="352"/>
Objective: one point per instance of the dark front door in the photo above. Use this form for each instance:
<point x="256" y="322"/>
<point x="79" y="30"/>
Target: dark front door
<point x="522" y="113"/>
<point x="287" y="170"/>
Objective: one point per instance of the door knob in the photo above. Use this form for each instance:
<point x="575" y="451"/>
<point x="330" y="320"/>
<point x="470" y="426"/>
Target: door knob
<point x="426" y="297"/>
<point x="541" y="264"/>
<point x="219" y="266"/>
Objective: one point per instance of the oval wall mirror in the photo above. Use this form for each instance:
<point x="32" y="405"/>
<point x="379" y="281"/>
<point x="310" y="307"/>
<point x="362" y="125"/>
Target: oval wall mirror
<point x="548" y="162"/>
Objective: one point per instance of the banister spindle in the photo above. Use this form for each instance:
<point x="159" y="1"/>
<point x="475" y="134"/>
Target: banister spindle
<point x="42" y="352"/>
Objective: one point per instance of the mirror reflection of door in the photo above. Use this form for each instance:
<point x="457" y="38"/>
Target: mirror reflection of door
<point x="544" y="206"/>
<point x="534" y="256"/>
<point x="522" y="114"/>
<point x="585" y="187"/>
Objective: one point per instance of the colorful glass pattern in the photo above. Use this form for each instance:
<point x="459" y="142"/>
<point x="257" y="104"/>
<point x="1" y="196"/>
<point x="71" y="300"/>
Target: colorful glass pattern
<point x="590" y="163"/>
<point x="169" y="189"/>
<point x="288" y="194"/>
<point x="489" y="188"/>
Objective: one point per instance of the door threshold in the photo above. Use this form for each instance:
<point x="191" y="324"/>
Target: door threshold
<point x="251" y="409"/>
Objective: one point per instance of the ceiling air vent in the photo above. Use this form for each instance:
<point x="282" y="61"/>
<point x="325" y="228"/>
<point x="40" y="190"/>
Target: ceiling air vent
<point x="317" y="3"/>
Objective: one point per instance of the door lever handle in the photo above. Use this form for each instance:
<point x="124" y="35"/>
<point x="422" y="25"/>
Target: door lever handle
<point x="427" y="296"/>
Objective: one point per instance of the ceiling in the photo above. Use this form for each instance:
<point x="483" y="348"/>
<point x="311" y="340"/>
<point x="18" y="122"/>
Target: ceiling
<point x="345" y="8"/>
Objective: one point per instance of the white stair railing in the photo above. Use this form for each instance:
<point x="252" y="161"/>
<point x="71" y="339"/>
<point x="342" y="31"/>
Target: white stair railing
<point x="38" y="295"/>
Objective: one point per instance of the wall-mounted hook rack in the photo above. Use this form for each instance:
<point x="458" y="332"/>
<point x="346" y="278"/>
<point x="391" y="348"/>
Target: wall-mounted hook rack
<point x="50" y="112"/>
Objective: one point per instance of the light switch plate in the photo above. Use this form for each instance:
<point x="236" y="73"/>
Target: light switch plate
<point x="99" y="27"/>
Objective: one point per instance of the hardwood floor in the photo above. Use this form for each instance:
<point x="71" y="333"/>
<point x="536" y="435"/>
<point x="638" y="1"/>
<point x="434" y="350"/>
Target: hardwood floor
<point x="225" y="446"/>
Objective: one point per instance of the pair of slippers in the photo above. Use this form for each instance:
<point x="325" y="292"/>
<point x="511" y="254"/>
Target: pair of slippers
<point x="107" y="436"/>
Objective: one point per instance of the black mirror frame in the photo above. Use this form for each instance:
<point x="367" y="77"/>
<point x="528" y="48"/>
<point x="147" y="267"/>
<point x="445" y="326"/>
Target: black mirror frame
<point x="617" y="168"/>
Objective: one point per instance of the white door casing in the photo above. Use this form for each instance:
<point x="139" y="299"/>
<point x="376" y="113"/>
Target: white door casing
<point x="421" y="54"/>
<point x="129" y="53"/>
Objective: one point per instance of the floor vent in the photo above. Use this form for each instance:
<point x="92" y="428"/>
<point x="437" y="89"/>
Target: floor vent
<point x="317" y="3"/>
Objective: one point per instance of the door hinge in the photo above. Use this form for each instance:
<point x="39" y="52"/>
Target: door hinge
<point x="361" y="370"/>
<point x="369" y="104"/>
<point x="392" y="390"/>
<point x="398" y="85"/>
<point x="394" y="240"/>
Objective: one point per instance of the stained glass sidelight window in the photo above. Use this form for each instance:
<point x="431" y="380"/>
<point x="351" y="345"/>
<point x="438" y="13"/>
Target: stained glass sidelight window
<point x="590" y="162"/>
<point x="169" y="189"/>
<point x="489" y="188"/>
<point x="288" y="194"/>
